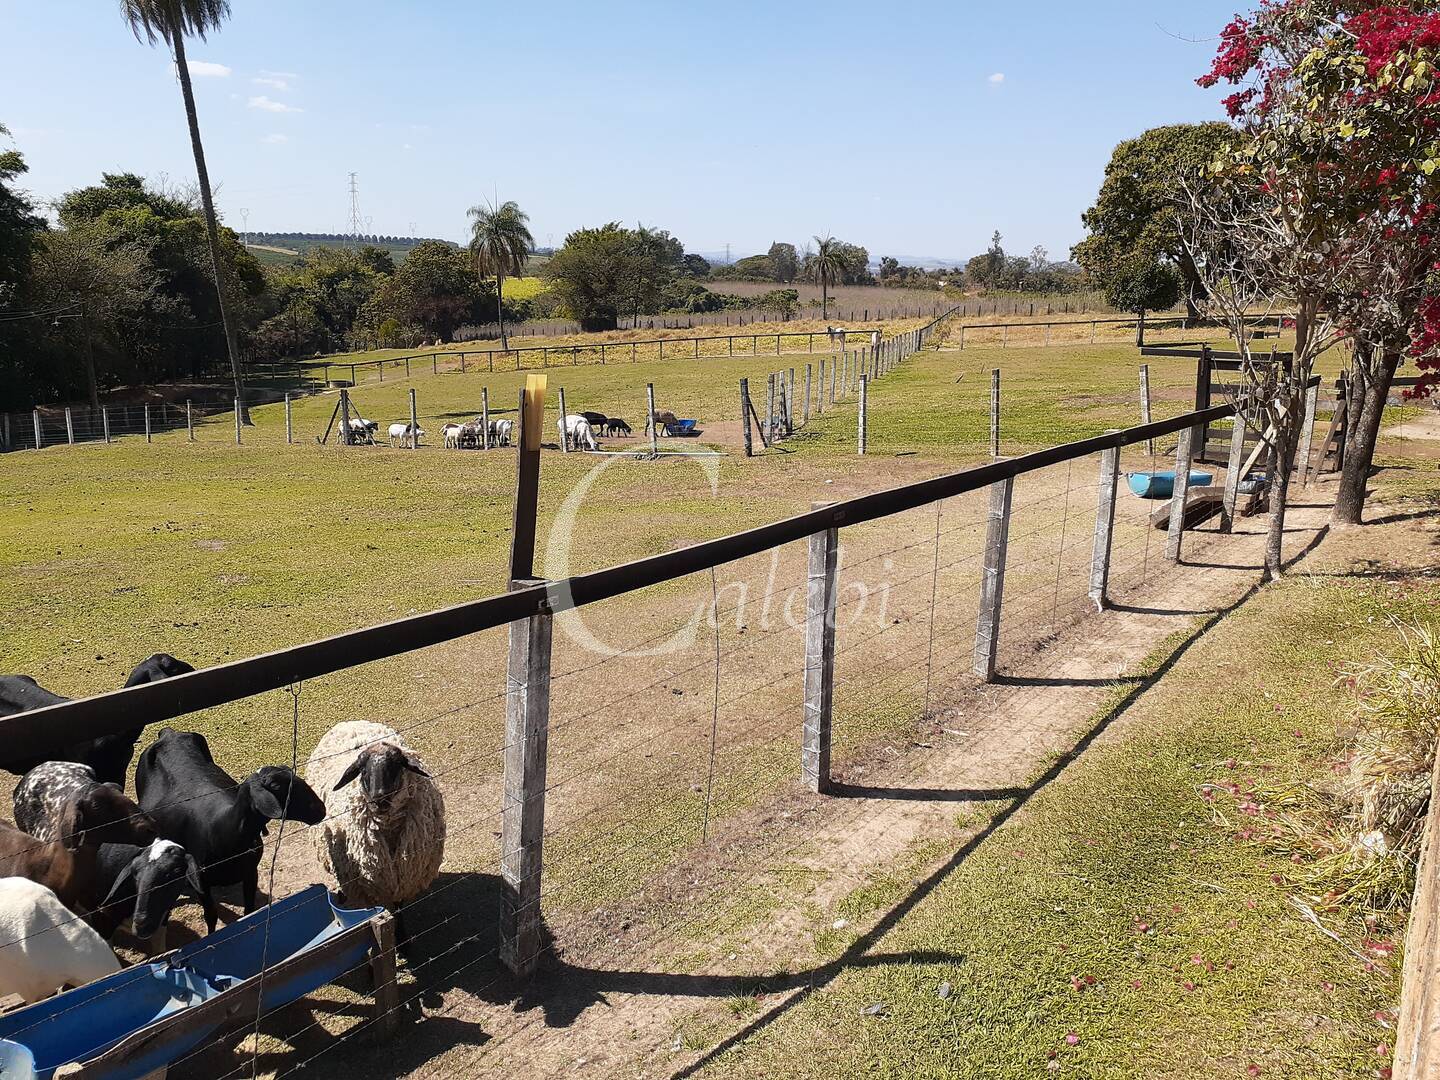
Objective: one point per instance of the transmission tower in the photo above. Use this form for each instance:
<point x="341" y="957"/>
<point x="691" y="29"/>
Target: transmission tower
<point x="357" y="222"/>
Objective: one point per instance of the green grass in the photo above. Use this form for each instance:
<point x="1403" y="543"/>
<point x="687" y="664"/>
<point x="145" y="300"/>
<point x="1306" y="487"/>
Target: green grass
<point x="1121" y="873"/>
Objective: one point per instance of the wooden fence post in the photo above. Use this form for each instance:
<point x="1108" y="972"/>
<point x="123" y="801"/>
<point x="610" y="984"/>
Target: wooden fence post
<point x="147" y="423"/>
<point x="69" y="427"/>
<point x="1202" y="402"/>
<point x="522" y="816"/>
<point x="654" y="427"/>
<point x="565" y="435"/>
<point x="995" y="412"/>
<point x="834" y="365"/>
<point x="1417" y="1028"/>
<point x="485" y="418"/>
<point x="992" y="578"/>
<point x="1232" y="474"/>
<point x="344" y="417"/>
<point x="382" y="972"/>
<point x="1145" y="404"/>
<point x="1183" y="455"/>
<point x="104" y="421"/>
<point x="1104" y="526"/>
<point x="770" y="410"/>
<point x="1307" y="432"/>
<point x="864" y="385"/>
<point x="414" y="423"/>
<point x="820" y="602"/>
<point x="190" y="421"/>
<point x="289" y="425"/>
<point x="237" y="422"/>
<point x="745" y="416"/>
<point x="790" y="403"/>
<point x="805" y="415"/>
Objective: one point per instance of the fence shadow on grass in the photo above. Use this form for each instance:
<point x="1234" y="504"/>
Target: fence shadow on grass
<point x="856" y="954"/>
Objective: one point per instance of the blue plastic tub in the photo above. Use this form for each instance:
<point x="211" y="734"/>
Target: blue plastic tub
<point x="682" y="428"/>
<point x="1161" y="485"/>
<point x="83" y="1023"/>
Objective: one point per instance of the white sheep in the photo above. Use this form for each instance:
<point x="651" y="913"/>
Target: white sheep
<point x="401" y="433"/>
<point x="502" y="431"/>
<point x="363" y="431"/>
<point x="575" y="431"/>
<point x="43" y="946"/>
<point x="383" y="837"/>
<point x="451" y="434"/>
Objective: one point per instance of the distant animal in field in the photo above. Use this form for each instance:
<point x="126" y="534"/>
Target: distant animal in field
<point x="501" y="432"/>
<point x="470" y="434"/>
<point x="108" y="755"/>
<point x="596" y="420"/>
<point x="575" y="431"/>
<point x="615" y="426"/>
<point x="451" y="434"/>
<point x="837" y="336"/>
<point x="363" y="431"/>
<point x="401" y="433"/>
<point x="663" y="420"/>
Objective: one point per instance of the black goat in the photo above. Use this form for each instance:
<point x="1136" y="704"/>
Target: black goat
<point x="220" y="822"/>
<point x="143" y="885"/>
<point x="108" y="755"/>
<point x="597" y="420"/>
<point x="615" y="426"/>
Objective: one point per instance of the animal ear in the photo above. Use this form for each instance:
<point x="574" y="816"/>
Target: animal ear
<point x="410" y="764"/>
<point x="127" y="876"/>
<point x="192" y="874"/>
<point x="350" y="773"/>
<point x="72" y="826"/>
<point x="264" y="800"/>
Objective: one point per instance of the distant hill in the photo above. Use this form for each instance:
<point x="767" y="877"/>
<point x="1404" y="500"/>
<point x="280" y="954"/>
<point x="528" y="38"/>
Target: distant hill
<point x="277" y="248"/>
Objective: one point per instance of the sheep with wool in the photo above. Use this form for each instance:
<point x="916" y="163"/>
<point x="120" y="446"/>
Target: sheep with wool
<point x="43" y="946"/>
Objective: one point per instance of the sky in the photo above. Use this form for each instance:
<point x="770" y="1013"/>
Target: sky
<point x="914" y="128"/>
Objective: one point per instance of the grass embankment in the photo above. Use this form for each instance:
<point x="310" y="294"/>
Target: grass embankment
<point x="1123" y="922"/>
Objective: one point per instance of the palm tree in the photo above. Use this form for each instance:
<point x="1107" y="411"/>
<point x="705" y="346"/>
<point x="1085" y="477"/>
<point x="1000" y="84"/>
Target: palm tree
<point x="171" y="21"/>
<point x="500" y="243"/>
<point x="828" y="268"/>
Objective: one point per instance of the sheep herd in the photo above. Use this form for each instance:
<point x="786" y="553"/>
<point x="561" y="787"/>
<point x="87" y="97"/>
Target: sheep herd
<point x="578" y="431"/>
<point x="84" y="859"/>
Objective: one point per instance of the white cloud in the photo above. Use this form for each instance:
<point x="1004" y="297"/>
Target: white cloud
<point x="997" y="78"/>
<point x="272" y="81"/>
<point x="275" y="138"/>
<point x="270" y="105"/>
<point x="204" y="69"/>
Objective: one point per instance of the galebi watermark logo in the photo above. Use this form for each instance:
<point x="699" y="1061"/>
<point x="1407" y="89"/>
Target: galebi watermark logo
<point x="780" y="604"/>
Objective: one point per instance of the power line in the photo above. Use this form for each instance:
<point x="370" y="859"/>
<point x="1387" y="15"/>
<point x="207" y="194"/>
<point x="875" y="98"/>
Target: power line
<point x="356" y="220"/>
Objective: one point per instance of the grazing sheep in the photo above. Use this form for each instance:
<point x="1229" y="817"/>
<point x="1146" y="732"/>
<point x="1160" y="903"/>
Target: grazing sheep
<point x="108" y="755"/>
<point x="220" y="822"/>
<point x="41" y="798"/>
<point x="363" y="431"/>
<point x="470" y="434"/>
<point x="383" y="838"/>
<point x="615" y="426"/>
<point x="401" y="433"/>
<point x="451" y="434"/>
<point x="575" y="431"/>
<point x="142" y="885"/>
<point x="502" y="432"/>
<point x="43" y="946"/>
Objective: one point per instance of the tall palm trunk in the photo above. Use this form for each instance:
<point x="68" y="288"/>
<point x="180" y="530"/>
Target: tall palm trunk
<point x="500" y="309"/>
<point x="1369" y="407"/>
<point x="212" y="229"/>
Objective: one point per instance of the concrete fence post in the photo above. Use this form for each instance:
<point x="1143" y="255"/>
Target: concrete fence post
<point x="745" y="416"/>
<point x="790" y="403"/>
<point x="770" y="410"/>
<point x="522" y="813"/>
<point x="654" y="427"/>
<point x="1183" y="455"/>
<point x="864" y="400"/>
<point x="1233" y="466"/>
<point x="189" y="422"/>
<point x="69" y="427"/>
<point x="1104" y="526"/>
<point x="414" y="423"/>
<point x="992" y="578"/>
<point x="995" y="412"/>
<point x="805" y="415"/>
<point x="820" y="397"/>
<point x="484" y="418"/>
<point x="147" y="423"/>
<point x="104" y="422"/>
<point x="39" y="437"/>
<point x="564" y="434"/>
<point x="345" y="418"/>
<point x="237" y="421"/>
<point x="834" y="374"/>
<point x="1307" y="432"/>
<point x="1145" y="404"/>
<point x="289" y="423"/>
<point x="822" y="581"/>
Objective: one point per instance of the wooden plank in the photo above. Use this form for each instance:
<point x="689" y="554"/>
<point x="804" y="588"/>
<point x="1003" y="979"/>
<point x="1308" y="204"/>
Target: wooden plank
<point x="527" y="476"/>
<point x="1417" y="1028"/>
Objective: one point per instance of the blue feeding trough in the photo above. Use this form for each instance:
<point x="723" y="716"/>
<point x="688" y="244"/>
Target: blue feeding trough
<point x="150" y="1015"/>
<point x="683" y="428"/>
<point x="1161" y="485"/>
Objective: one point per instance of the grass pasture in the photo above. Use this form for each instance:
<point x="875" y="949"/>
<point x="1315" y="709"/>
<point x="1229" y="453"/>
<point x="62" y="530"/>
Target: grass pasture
<point x="214" y="551"/>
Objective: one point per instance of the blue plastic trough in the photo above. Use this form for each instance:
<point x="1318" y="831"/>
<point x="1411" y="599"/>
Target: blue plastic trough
<point x="682" y="428"/>
<point x="150" y="1015"/>
<point x="1161" y="485"/>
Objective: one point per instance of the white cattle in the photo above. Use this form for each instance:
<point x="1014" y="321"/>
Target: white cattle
<point x="575" y="431"/>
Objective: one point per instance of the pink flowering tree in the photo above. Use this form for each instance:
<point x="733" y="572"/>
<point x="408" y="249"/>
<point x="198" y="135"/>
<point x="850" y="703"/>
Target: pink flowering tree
<point x="1339" y="104"/>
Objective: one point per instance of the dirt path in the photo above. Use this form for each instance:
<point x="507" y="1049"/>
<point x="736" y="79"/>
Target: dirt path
<point x="644" y="994"/>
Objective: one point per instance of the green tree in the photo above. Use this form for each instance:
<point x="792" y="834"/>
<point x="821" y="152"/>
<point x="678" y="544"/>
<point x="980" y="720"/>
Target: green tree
<point x="434" y="289"/>
<point x="1137" y="212"/>
<point x="500" y="244"/>
<point x="784" y="261"/>
<point x="827" y="266"/>
<point x="1140" y="285"/>
<point x="601" y="273"/>
<point x="20" y="230"/>
<point x="170" y="21"/>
